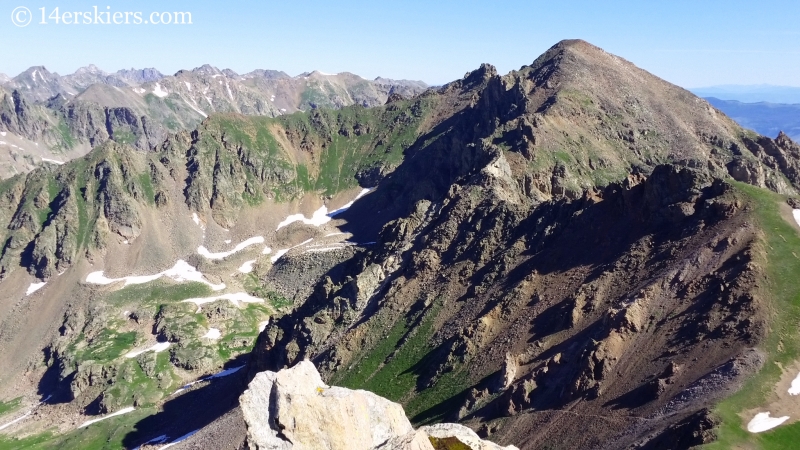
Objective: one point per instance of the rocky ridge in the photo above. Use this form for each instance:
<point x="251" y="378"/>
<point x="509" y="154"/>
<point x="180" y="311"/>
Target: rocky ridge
<point x="74" y="113"/>
<point x="563" y="241"/>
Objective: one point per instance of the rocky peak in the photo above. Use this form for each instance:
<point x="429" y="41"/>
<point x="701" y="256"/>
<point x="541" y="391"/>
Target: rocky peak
<point x="268" y="74"/>
<point x="90" y="69"/>
<point x="479" y="75"/>
<point x="294" y="409"/>
<point x="139" y="76"/>
<point x="206" y="69"/>
<point x="785" y="141"/>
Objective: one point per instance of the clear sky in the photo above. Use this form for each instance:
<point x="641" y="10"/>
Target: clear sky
<point x="690" y="43"/>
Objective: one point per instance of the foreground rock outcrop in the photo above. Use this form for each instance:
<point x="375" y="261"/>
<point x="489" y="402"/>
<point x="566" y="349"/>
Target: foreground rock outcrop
<point x="294" y="409"/>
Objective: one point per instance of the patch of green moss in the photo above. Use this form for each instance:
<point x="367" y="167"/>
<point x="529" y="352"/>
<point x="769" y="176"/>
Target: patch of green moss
<point x="158" y="292"/>
<point x="11" y="405"/>
<point x="392" y="367"/>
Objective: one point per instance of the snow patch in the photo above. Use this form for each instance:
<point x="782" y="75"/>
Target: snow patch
<point x="763" y="422"/>
<point x="230" y="94"/>
<point x="321" y="216"/>
<point x="53" y="161"/>
<point x="179" y="440"/>
<point x="227" y="241"/>
<point x="188" y="85"/>
<point x="18" y="419"/>
<point x="196" y="109"/>
<point x="196" y="220"/>
<point x="215" y="76"/>
<point x="3" y="133"/>
<point x="324" y="249"/>
<point x="35" y="287"/>
<point x="222" y="374"/>
<point x="266" y="251"/>
<point x="158" y="92"/>
<point x="181" y="272"/>
<point x="157" y="348"/>
<point x="282" y="252"/>
<point x="213" y="334"/>
<point x="247" y="267"/>
<point x="278" y="255"/>
<point x="796" y="214"/>
<point x="263" y="326"/>
<point x="118" y="413"/>
<point x="795" y="388"/>
<point x="222" y="255"/>
<point x="233" y="298"/>
<point x="26" y="415"/>
<point x="156" y="440"/>
<point x="348" y="205"/>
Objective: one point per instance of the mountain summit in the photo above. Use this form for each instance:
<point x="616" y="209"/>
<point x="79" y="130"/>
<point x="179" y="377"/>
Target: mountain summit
<point x="576" y="254"/>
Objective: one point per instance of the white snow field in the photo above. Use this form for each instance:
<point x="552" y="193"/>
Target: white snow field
<point x="158" y="92"/>
<point x="24" y="416"/>
<point x="35" y="287"/>
<point x="763" y="422"/>
<point x="180" y="272"/>
<point x="158" y="348"/>
<point x="118" y="413"/>
<point x="213" y="334"/>
<point x="18" y="419"/>
<point x="247" y="267"/>
<point x="321" y="216"/>
<point x="282" y="252"/>
<point x="222" y="374"/>
<point x="222" y="255"/>
<point x="794" y="389"/>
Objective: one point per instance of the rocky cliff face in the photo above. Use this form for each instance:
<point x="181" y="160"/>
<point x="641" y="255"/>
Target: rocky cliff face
<point x="294" y="409"/>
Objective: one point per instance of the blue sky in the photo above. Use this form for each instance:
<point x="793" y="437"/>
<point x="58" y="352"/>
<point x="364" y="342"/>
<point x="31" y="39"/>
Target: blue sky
<point x="690" y="43"/>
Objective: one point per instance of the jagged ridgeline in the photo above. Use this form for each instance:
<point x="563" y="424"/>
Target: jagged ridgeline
<point x="54" y="214"/>
<point x="46" y="118"/>
<point x="574" y="255"/>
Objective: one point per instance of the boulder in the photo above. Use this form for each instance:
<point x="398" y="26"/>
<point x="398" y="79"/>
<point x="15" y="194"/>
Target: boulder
<point x="294" y="410"/>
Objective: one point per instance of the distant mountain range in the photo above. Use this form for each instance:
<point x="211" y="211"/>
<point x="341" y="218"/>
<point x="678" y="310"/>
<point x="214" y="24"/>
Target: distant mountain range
<point x="751" y="93"/>
<point x="48" y="117"/>
<point x="764" y="108"/>
<point x="768" y="119"/>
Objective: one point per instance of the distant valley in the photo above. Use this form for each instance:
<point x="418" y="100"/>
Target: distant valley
<point x="765" y="118"/>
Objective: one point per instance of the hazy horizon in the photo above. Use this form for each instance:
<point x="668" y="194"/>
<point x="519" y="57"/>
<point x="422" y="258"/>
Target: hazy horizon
<point x="683" y="42"/>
